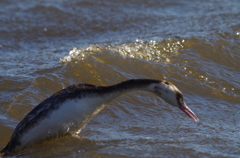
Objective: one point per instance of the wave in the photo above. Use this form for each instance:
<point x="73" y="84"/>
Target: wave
<point x="158" y="51"/>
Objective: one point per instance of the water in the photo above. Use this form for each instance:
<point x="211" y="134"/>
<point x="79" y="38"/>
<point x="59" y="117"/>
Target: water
<point x="47" y="45"/>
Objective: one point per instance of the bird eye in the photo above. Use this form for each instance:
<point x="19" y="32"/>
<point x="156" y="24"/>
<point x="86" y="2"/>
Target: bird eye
<point x="157" y="88"/>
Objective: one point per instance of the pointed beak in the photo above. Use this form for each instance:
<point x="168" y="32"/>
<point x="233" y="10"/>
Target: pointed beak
<point x="188" y="111"/>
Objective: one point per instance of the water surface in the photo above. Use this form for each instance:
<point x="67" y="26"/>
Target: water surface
<point x="48" y="45"/>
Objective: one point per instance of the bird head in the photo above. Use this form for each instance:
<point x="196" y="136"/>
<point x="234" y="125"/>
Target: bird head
<point x="172" y="95"/>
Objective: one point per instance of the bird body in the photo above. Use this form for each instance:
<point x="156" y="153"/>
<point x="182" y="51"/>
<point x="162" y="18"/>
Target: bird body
<point x="68" y="110"/>
<point x="65" y="120"/>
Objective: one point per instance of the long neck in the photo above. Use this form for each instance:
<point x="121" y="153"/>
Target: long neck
<point x="126" y="86"/>
<point x="133" y="84"/>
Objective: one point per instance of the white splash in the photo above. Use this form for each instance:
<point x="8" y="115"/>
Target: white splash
<point x="159" y="51"/>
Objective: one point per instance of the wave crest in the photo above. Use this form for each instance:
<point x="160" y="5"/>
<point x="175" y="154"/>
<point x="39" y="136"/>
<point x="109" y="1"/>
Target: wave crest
<point x="158" y="51"/>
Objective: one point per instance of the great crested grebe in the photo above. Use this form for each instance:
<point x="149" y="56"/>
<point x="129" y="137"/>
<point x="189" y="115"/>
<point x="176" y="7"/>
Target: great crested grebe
<point x="68" y="110"/>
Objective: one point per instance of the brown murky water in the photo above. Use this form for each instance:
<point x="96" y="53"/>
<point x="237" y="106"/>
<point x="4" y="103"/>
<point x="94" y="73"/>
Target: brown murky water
<point x="48" y="45"/>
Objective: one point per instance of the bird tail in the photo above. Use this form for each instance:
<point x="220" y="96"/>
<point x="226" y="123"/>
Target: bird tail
<point x="4" y="151"/>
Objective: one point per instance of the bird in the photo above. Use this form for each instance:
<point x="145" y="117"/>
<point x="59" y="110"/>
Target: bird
<point x="68" y="110"/>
